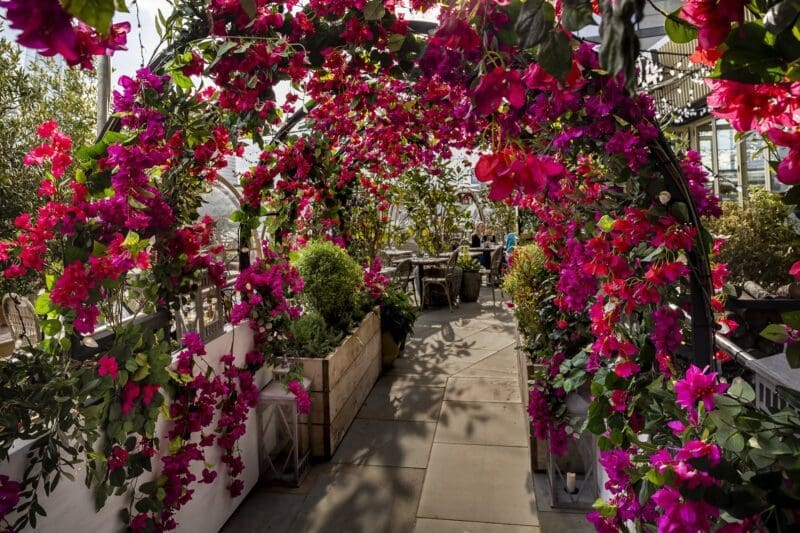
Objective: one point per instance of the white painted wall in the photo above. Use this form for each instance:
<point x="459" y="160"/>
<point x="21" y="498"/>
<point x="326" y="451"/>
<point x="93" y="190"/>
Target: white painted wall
<point x="71" y="506"/>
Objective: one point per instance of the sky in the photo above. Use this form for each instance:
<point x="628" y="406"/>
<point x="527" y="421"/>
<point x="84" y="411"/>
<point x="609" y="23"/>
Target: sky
<point x="127" y="62"/>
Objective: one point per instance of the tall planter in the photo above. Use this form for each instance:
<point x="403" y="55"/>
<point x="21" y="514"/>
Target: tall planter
<point x="470" y="286"/>
<point x="389" y="349"/>
<point x="340" y="382"/>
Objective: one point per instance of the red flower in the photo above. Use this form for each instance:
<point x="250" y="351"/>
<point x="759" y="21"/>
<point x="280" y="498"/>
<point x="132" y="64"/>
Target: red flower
<point x="494" y="86"/>
<point x="130" y="392"/>
<point x="119" y="456"/>
<point x="107" y="366"/>
<point x="795" y="270"/>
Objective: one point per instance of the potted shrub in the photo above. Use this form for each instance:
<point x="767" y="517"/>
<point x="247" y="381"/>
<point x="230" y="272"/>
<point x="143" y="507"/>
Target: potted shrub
<point x="397" y="321"/>
<point x="341" y="373"/>
<point x="470" y="278"/>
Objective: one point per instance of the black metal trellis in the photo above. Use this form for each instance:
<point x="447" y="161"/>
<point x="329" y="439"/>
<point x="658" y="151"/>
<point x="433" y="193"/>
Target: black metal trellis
<point x="701" y="287"/>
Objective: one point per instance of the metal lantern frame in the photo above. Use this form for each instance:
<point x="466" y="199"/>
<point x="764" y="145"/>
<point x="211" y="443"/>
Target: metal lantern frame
<point x="583" y="448"/>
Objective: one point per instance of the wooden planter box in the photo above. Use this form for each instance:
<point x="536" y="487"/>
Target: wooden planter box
<point x="538" y="447"/>
<point x="341" y="382"/>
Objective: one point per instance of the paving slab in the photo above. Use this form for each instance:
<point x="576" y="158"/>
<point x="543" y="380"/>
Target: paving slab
<point x="266" y="511"/>
<point x="472" y="483"/>
<point x="498" y="424"/>
<point x="387" y="443"/>
<point x="362" y="499"/>
<point x="404" y="380"/>
<point x="398" y="402"/>
<point x="428" y="525"/>
<point x="483" y="389"/>
<point x="493" y="341"/>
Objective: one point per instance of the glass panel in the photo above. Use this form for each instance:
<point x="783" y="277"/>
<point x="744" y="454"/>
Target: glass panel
<point x="777" y="186"/>
<point x="726" y="161"/>
<point x="705" y="149"/>
<point x="754" y="159"/>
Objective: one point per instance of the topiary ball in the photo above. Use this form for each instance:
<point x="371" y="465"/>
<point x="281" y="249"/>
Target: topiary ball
<point x="331" y="281"/>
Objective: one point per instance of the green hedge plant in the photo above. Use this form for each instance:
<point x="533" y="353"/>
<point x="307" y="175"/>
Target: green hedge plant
<point x="332" y="280"/>
<point x="761" y="244"/>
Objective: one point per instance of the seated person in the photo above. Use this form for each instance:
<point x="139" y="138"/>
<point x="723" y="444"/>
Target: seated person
<point x="478" y="236"/>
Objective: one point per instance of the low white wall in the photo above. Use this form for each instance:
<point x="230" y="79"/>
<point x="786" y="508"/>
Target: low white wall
<point x="71" y="506"/>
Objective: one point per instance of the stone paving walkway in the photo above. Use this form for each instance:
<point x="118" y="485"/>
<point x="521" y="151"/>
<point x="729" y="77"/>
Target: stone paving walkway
<point x="440" y="445"/>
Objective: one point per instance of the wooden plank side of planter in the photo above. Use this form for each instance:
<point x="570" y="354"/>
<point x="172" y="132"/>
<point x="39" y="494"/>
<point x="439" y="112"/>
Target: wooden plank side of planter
<point x="340" y="423"/>
<point x="342" y="391"/>
<point x="343" y="381"/>
<point x="313" y="369"/>
<point x="351" y="349"/>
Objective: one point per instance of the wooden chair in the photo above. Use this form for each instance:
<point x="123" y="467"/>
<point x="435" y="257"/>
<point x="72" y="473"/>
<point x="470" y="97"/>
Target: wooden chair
<point x="21" y="319"/>
<point x="494" y="271"/>
<point x="446" y="282"/>
<point x="403" y="276"/>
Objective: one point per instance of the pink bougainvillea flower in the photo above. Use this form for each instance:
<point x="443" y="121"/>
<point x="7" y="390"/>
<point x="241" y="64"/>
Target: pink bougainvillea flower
<point x="129" y="394"/>
<point x="496" y="85"/>
<point x="795" y="270"/>
<point x="301" y="396"/>
<point x="9" y="495"/>
<point x="626" y="369"/>
<point x="698" y="385"/>
<point x="789" y="167"/>
<point x="118" y="458"/>
<point x="107" y="366"/>
<point x="44" y="25"/>
<point x="713" y="19"/>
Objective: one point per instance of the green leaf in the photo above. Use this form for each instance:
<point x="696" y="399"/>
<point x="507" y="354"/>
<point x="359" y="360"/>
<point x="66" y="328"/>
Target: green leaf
<point x="793" y="355"/>
<point x="43" y="304"/>
<point x="555" y="54"/>
<point x="374" y="10"/>
<point x="792" y="397"/>
<point x="535" y="21"/>
<point x="249" y="7"/>
<point x="775" y="333"/>
<point x="604" y="508"/>
<point x="781" y="16"/>
<point x="181" y="80"/>
<point x="742" y="391"/>
<point x="50" y="327"/>
<point x="100" y="496"/>
<point x="681" y="211"/>
<point x="95" y="13"/>
<point x="792" y="196"/>
<point x="576" y="17"/>
<point x="395" y="42"/>
<point x="791" y="318"/>
<point x="733" y="442"/>
<point x="606" y="223"/>
<point x="677" y="29"/>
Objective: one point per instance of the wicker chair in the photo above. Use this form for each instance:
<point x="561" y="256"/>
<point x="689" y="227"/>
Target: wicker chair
<point x="446" y="282"/>
<point x="494" y="272"/>
<point x="21" y="318"/>
<point x="403" y="276"/>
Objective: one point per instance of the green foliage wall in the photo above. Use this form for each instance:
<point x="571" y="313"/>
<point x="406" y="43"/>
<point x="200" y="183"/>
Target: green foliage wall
<point x="29" y="95"/>
<point x="761" y="243"/>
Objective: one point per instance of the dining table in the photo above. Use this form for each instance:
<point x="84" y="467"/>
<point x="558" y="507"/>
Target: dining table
<point x="396" y="256"/>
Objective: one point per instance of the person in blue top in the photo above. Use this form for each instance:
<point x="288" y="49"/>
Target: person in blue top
<point x="511" y="242"/>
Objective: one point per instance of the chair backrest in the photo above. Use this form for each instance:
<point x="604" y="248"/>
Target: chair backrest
<point x="497" y="259"/>
<point x="402" y="274"/>
<point x="451" y="262"/>
<point x="21" y="318"/>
